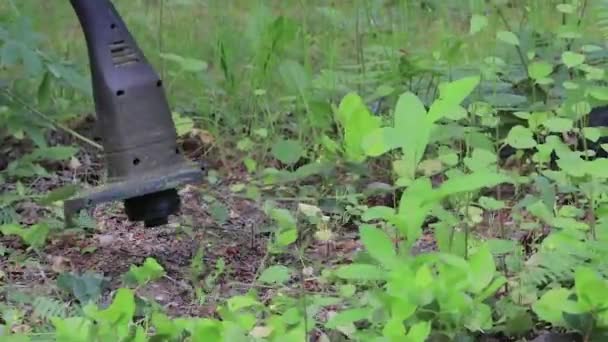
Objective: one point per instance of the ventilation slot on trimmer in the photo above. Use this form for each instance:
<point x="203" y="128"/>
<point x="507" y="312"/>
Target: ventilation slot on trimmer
<point x="122" y="54"/>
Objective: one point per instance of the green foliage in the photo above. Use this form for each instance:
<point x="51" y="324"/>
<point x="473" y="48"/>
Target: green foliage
<point x="357" y="121"/>
<point x="275" y="274"/>
<point x="582" y="308"/>
<point x="34" y="236"/>
<point x="150" y="270"/>
<point x="29" y="164"/>
<point x="421" y="113"/>
<point x="85" y="288"/>
<point x="47" y="308"/>
<point x="287" y="151"/>
<point x="455" y="287"/>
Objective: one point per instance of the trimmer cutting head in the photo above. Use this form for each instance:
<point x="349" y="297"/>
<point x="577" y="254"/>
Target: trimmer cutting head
<point x="143" y="162"/>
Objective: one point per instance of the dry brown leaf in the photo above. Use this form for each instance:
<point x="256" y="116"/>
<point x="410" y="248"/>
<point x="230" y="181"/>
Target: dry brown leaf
<point x="75" y="163"/>
<point x="60" y="264"/>
<point x="308" y="271"/>
<point x="204" y="136"/>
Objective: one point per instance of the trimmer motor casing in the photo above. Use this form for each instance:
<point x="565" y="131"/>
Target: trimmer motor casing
<point x="143" y="161"/>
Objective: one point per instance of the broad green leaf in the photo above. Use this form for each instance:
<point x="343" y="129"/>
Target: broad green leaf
<point x="572" y="59"/>
<point x="347" y="290"/>
<point x="54" y="153"/>
<point x="412" y="125"/>
<point x="209" y="330"/>
<point x="456" y="113"/>
<point x="393" y="329"/>
<point x="380" y="141"/>
<point x="592" y="133"/>
<point x="85" y="288"/>
<point x="73" y="329"/>
<point x="505" y="100"/>
<point x="490" y="203"/>
<point x="592" y="73"/>
<point x="286" y="237"/>
<point x="550" y="306"/>
<point x="140" y="335"/>
<point x="183" y="124"/>
<point x="471" y="182"/>
<point x="287" y="151"/>
<point x="559" y="125"/>
<point x="15" y="337"/>
<point x="276" y="274"/>
<point x="357" y="122"/>
<point x="219" y="212"/>
<point x="599" y="93"/>
<point x="59" y="194"/>
<point x="283" y="217"/>
<point x="540" y="70"/>
<point x="491" y="289"/>
<point x="424" y="288"/>
<point x="520" y="137"/>
<point x="348" y="317"/>
<point x="581" y="108"/>
<point x="360" y="272"/>
<point x="287" y="232"/>
<point x="378" y="245"/>
<point x="378" y="212"/>
<point x="591" y="289"/>
<point x="502" y="246"/>
<point x="237" y="303"/>
<point x="569" y="85"/>
<point x="34" y="236"/>
<point x="480" y="160"/>
<point x="507" y="37"/>
<point x="419" y="332"/>
<point x="482" y="268"/>
<point x="165" y="326"/>
<point x="478" y="22"/>
<point x="519" y="322"/>
<point x="572" y="165"/>
<point x="149" y="271"/>
<point x="415" y="204"/>
<point x="120" y="313"/>
<point x="457" y="91"/>
<point x="480" y="318"/>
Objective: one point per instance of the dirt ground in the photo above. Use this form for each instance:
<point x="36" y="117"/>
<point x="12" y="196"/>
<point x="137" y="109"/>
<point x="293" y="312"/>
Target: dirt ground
<point x="113" y="244"/>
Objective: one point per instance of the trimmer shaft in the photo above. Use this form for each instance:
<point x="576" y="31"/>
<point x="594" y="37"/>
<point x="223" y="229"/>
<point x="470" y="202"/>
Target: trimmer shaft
<point x="144" y="164"/>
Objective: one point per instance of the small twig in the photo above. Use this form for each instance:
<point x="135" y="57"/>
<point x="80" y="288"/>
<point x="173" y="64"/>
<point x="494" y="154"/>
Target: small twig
<point x="51" y="121"/>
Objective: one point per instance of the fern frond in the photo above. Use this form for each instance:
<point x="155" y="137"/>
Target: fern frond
<point x="549" y="267"/>
<point x="45" y="308"/>
<point x="601" y="16"/>
<point x="559" y="265"/>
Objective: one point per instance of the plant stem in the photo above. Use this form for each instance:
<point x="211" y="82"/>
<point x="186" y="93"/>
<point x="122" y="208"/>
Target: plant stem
<point x="51" y="121"/>
<point x="520" y="53"/>
<point x="579" y="22"/>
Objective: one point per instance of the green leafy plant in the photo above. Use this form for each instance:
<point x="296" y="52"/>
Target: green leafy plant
<point x="150" y="270"/>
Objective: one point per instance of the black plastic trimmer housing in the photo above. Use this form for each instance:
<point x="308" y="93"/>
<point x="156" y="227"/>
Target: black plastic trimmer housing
<point x="143" y="161"/>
